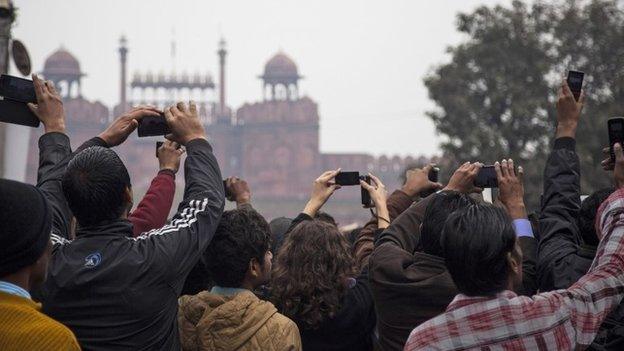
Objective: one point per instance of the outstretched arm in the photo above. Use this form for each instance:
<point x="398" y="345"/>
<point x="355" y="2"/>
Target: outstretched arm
<point x="559" y="232"/>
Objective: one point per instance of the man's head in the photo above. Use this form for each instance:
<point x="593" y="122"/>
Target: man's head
<point x="481" y="251"/>
<point x="436" y="213"/>
<point x="587" y="215"/>
<point x="97" y="186"/>
<point x="239" y="254"/>
<point x="25" y="226"/>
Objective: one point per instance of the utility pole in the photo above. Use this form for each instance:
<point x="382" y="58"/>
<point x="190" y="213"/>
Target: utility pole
<point x="7" y="16"/>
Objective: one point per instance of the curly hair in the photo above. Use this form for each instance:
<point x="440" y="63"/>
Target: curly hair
<point x="309" y="273"/>
<point x="241" y="235"/>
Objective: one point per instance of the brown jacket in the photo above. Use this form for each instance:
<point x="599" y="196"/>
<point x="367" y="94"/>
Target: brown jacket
<point x="240" y="322"/>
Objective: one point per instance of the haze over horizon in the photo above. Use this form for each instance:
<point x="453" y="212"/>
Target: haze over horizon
<point x="363" y="61"/>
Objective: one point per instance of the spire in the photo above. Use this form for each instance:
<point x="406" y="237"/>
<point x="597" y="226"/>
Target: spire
<point x="123" y="54"/>
<point x="222" y="52"/>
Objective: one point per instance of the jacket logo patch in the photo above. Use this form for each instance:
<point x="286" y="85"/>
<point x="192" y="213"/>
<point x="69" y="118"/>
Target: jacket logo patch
<point x="93" y="260"/>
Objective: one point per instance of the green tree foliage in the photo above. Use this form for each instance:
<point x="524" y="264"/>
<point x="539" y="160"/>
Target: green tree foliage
<point x="496" y="97"/>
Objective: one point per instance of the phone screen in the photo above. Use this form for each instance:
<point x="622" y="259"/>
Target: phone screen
<point x="348" y="178"/>
<point x="575" y="82"/>
<point x="17" y="89"/>
<point x="616" y="133"/>
<point x="486" y="178"/>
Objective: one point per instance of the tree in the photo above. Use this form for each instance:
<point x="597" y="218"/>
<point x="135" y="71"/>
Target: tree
<point x="496" y="97"/>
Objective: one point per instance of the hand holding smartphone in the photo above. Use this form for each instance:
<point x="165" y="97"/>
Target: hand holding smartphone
<point x="16" y="93"/>
<point x="575" y="82"/>
<point x="616" y="133"/>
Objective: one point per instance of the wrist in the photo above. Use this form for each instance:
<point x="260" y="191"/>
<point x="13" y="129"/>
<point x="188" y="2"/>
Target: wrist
<point x="516" y="210"/>
<point x="243" y="199"/>
<point x="56" y="126"/>
<point x="190" y="137"/>
<point x="168" y="168"/>
<point x="312" y="207"/>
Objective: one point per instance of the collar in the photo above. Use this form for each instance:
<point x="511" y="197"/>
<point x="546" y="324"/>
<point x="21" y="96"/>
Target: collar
<point x="121" y="227"/>
<point x="13" y="289"/>
<point x="220" y="290"/>
<point x="462" y="300"/>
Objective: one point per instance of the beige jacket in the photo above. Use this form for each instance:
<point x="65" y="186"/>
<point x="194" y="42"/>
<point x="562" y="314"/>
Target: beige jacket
<point x="240" y="322"/>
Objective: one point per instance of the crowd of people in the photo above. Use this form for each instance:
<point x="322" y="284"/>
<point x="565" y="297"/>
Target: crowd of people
<point x="81" y="269"/>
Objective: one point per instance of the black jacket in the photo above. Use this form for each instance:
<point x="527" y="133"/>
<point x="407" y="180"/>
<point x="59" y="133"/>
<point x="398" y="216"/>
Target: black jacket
<point x="563" y="258"/>
<point x="352" y="327"/>
<point x="116" y="292"/>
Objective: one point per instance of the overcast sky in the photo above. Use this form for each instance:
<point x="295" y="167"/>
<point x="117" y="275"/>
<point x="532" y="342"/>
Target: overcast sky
<point x="363" y="61"/>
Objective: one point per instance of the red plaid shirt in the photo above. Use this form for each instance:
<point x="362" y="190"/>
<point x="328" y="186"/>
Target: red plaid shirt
<point x="556" y="320"/>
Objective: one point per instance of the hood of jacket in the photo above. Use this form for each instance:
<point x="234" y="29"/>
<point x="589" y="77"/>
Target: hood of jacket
<point x="218" y="322"/>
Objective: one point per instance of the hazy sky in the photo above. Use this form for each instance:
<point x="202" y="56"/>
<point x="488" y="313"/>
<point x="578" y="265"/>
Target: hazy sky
<point x="363" y="61"/>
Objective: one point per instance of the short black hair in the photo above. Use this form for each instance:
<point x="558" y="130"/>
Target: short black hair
<point x="476" y="241"/>
<point x="242" y="234"/>
<point x="436" y="213"/>
<point x="326" y="217"/>
<point x="94" y="185"/>
<point x="587" y="215"/>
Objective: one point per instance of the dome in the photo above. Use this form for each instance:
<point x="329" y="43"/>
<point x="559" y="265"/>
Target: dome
<point x="61" y="62"/>
<point x="280" y="66"/>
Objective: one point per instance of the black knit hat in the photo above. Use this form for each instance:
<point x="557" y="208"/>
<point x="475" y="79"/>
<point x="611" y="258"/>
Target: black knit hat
<point x="25" y="225"/>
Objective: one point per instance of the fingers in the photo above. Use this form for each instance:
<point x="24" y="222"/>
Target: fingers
<point x="428" y="168"/>
<point x="39" y="88"/>
<point x="169" y="117"/>
<point x="367" y="186"/>
<point x="33" y="107"/>
<point x="193" y="107"/>
<point x="619" y="156"/>
<point x="566" y="88"/>
<point x="521" y="174"/>
<point x="181" y="106"/>
<point x="498" y="170"/>
<point x="327" y="176"/>
<point x="376" y="180"/>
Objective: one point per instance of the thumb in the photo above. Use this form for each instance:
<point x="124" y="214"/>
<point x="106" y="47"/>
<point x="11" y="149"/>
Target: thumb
<point x="131" y="126"/>
<point x="521" y="174"/>
<point x="619" y="157"/>
<point x="32" y="107"/>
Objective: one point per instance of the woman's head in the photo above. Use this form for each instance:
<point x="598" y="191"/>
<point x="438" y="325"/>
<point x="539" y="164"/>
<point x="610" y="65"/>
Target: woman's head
<point x="310" y="273"/>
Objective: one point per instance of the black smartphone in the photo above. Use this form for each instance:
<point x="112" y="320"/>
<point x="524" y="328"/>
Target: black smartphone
<point x="486" y="178"/>
<point x="158" y="145"/>
<point x="17" y="89"/>
<point x="575" y="82"/>
<point x="348" y="178"/>
<point x="367" y="202"/>
<point x="153" y="126"/>
<point x="616" y="133"/>
<point x="434" y="176"/>
<point x="17" y="113"/>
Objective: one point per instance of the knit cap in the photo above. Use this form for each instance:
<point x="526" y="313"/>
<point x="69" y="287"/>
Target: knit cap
<point x="25" y="225"/>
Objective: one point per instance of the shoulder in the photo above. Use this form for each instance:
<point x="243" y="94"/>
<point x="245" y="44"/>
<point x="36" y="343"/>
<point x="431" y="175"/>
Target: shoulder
<point x="44" y="330"/>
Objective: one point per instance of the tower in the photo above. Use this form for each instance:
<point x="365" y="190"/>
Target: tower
<point x="280" y="79"/>
<point x="64" y="70"/>
<point x="123" y="54"/>
<point x="222" y="52"/>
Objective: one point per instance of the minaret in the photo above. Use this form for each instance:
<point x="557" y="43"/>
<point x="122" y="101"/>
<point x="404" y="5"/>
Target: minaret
<point x="123" y="52"/>
<point x="222" y="53"/>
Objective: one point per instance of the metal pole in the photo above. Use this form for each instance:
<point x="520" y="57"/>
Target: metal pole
<point x="6" y="20"/>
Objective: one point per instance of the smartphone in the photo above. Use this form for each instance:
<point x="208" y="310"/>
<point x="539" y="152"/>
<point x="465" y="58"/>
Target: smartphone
<point x="575" y="82"/>
<point x="348" y="178"/>
<point x="17" y="89"/>
<point x="434" y="176"/>
<point x="486" y="178"/>
<point x="153" y="126"/>
<point x="616" y="133"/>
<point x="158" y="145"/>
<point x="17" y="113"/>
<point x="367" y="202"/>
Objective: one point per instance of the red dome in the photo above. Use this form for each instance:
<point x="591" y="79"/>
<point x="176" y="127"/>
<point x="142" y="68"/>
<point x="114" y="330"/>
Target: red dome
<point x="280" y="66"/>
<point x="61" y="62"/>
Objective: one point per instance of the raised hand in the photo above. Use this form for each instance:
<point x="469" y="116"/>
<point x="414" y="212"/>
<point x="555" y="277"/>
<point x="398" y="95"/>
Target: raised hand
<point x="119" y="130"/>
<point x="378" y="194"/>
<point x="463" y="179"/>
<point x="417" y="181"/>
<point x="238" y="190"/>
<point x="322" y="188"/>
<point x="169" y="154"/>
<point x="568" y="111"/>
<point x="184" y="123"/>
<point x="511" y="188"/>
<point x="49" y="106"/>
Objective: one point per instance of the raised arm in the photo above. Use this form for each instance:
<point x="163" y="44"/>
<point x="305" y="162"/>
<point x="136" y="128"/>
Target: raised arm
<point x="559" y="232"/>
<point x="54" y="152"/>
<point x="181" y="243"/>
<point x="154" y="208"/>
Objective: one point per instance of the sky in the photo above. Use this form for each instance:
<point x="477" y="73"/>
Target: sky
<point x="363" y="61"/>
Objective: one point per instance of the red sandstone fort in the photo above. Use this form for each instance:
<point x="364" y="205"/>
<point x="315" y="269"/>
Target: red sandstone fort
<point x="272" y="143"/>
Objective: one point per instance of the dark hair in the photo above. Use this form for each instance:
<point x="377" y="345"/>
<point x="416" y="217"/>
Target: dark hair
<point x="476" y="241"/>
<point x="94" y="185"/>
<point x="436" y="213"/>
<point x="326" y="217"/>
<point x="587" y="215"/>
<point x="241" y="235"/>
<point x="279" y="226"/>
<point x="310" y="272"/>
